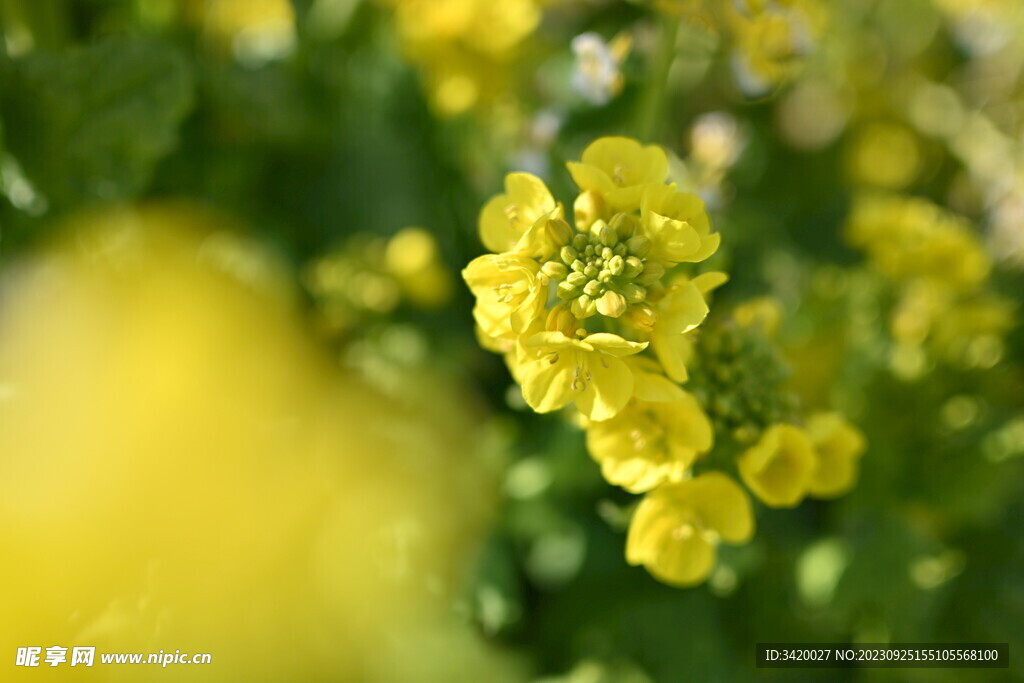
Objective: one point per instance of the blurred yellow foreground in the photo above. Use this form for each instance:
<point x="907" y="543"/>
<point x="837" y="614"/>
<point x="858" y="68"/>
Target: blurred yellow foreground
<point x="180" y="469"/>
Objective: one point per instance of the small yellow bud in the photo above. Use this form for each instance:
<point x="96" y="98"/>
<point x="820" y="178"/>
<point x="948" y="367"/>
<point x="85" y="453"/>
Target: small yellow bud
<point x="568" y="255"/>
<point x="624" y="224"/>
<point x="639" y="245"/>
<point x="567" y="290"/>
<point x="578" y="266"/>
<point x="653" y="272"/>
<point x="583" y="307"/>
<point x="593" y="288"/>
<point x="577" y="279"/>
<point x="612" y="304"/>
<point x="616" y="265"/>
<point x="634" y="293"/>
<point x="591" y="271"/>
<point x="580" y="242"/>
<point x="608" y="236"/>
<point x="559" y="231"/>
<point x="555" y="270"/>
<point x="632" y="267"/>
<point x="561" y="319"/>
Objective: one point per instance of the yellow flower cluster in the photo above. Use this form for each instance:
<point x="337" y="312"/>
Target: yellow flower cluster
<point x="594" y="312"/>
<point x="941" y="272"/>
<point x="587" y="313"/>
<point x="374" y="275"/>
<point x="770" y="38"/>
<point x="462" y="46"/>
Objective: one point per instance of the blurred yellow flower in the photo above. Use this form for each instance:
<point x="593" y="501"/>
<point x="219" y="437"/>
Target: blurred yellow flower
<point x="770" y="40"/>
<point x="183" y="468"/>
<point x="764" y="313"/>
<point x="838" y="446"/>
<point x="676" y="529"/>
<point x="780" y="466"/>
<point x="884" y="155"/>
<point x="463" y="47"/>
<point x="619" y="169"/>
<point x="908" y="237"/>
<point x="254" y="30"/>
<point x="413" y="259"/>
<point x="557" y="370"/>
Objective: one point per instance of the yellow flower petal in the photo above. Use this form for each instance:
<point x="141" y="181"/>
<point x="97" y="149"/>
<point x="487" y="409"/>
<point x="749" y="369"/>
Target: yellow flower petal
<point x="609" y="389"/>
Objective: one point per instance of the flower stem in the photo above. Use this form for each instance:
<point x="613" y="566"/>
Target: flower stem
<point x="651" y="110"/>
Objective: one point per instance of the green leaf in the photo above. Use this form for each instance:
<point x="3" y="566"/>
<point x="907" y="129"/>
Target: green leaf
<point x="91" y="123"/>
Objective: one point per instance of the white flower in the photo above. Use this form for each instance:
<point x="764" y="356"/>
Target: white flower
<point x="596" y="76"/>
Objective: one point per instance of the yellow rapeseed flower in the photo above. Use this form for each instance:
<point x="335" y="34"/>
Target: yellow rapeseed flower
<point x="838" y="445"/>
<point x="779" y="468"/>
<point x="677" y="527"/>
<point x="656" y="438"/>
<point x="507" y="217"/>
<point x="677" y="225"/>
<point x="508" y="293"/>
<point x="557" y="370"/>
<point x="619" y="169"/>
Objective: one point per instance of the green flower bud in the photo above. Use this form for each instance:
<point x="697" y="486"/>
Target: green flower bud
<point x="632" y="267"/>
<point x="612" y="304"/>
<point x="577" y="279"/>
<point x="621" y="250"/>
<point x="591" y="271"/>
<point x="566" y="290"/>
<point x="555" y="270"/>
<point x="604" y="276"/>
<point x="578" y="266"/>
<point x="592" y="288"/>
<point x="589" y="251"/>
<point x="608" y="236"/>
<point x="633" y="292"/>
<point x="653" y="272"/>
<point x="624" y="225"/>
<point x="583" y="307"/>
<point x="616" y="265"/>
<point x="559" y="231"/>
<point x="568" y="255"/>
<point x="639" y="245"/>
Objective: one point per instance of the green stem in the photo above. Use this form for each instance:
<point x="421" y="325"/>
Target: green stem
<point x="651" y="110"/>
